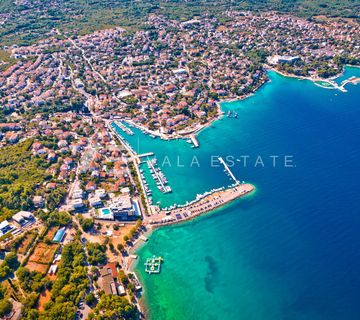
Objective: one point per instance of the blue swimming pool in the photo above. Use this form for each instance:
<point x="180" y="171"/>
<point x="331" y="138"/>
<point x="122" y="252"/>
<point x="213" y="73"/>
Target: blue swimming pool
<point x="59" y="235"/>
<point x="105" y="211"/>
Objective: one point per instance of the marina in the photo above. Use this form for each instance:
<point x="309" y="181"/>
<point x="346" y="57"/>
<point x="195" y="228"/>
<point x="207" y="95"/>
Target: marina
<point x="124" y="128"/>
<point x="145" y="186"/>
<point x="158" y="176"/>
<point x="259" y="228"/>
<point x="127" y="146"/>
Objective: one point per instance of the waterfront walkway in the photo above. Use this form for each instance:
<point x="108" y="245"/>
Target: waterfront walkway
<point x="201" y="206"/>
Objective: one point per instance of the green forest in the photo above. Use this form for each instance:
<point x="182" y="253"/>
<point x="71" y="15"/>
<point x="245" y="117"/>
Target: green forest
<point x="20" y="175"/>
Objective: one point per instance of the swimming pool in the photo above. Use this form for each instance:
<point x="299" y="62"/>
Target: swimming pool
<point x="106" y="214"/>
<point x="105" y="211"/>
<point x="59" y="235"/>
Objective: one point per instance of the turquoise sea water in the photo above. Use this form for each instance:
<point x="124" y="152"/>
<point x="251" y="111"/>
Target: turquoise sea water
<point x="291" y="250"/>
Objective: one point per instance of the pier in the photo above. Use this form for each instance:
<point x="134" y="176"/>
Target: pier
<point x="202" y="204"/>
<point x="228" y="170"/>
<point x="148" y="154"/>
<point x="354" y="80"/>
<point x="159" y="176"/>
<point x="194" y="141"/>
<point x="124" y="128"/>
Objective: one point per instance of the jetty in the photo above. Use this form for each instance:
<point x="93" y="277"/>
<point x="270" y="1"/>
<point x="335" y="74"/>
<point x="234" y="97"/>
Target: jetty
<point x="148" y="154"/>
<point x="354" y="80"/>
<point x="194" y="141"/>
<point x="124" y="128"/>
<point x="202" y="204"/>
<point x="158" y="176"/>
<point x="228" y="170"/>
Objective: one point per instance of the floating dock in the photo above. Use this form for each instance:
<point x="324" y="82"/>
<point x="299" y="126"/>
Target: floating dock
<point x="153" y="265"/>
<point x="228" y="170"/>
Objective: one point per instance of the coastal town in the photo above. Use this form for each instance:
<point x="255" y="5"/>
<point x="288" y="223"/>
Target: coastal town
<point x="170" y="77"/>
<point x="73" y="198"/>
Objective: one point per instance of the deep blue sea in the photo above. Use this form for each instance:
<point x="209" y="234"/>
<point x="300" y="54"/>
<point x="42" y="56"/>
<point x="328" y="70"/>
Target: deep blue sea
<point x="290" y="250"/>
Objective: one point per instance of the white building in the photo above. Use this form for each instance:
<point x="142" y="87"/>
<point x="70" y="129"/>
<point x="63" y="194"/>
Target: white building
<point x="78" y="194"/>
<point x="101" y="193"/>
<point x="38" y="201"/>
<point x="5" y="227"/>
<point x="95" y="201"/>
<point x="276" y="59"/>
<point x="23" y="217"/>
<point x="77" y="203"/>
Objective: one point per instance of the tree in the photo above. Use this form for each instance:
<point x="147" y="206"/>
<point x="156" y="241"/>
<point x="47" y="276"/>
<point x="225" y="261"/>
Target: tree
<point x="5" y="307"/>
<point x="131" y="287"/>
<point x="106" y="240"/>
<point x="29" y="304"/>
<point x="55" y="218"/>
<point x="96" y="253"/>
<point x="31" y="280"/>
<point x="123" y="277"/>
<point x="9" y="265"/>
<point x="138" y="223"/>
<point x="114" y="307"/>
<point x="86" y="223"/>
<point x="90" y="299"/>
<point x="11" y="260"/>
<point x="69" y="286"/>
<point x="132" y="232"/>
<point x="59" y="311"/>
